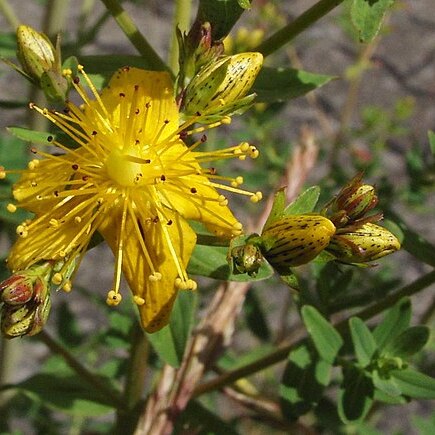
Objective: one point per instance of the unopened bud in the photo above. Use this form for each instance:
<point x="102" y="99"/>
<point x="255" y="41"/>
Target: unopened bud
<point x="296" y="239"/>
<point x="35" y="52"/>
<point x="366" y="243"/>
<point x="26" y="319"/>
<point x="26" y="301"/>
<point x="353" y="202"/>
<point x="23" y="285"/>
<point x="220" y="87"/>
<point x="245" y="259"/>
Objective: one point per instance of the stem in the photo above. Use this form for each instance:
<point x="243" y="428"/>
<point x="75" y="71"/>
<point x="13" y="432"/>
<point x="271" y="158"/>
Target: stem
<point x="9" y="14"/>
<point x="130" y="30"/>
<point x="126" y="420"/>
<point x="105" y="390"/>
<point x="9" y="352"/>
<point x="54" y="21"/>
<point x="182" y="20"/>
<point x="282" y="353"/>
<point x="291" y="30"/>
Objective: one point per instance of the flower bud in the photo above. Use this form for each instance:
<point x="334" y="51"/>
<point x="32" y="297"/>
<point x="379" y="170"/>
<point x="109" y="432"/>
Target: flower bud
<point x="220" y="87"/>
<point x="35" y="52"/>
<point x="23" y="285"/>
<point x="354" y="201"/>
<point x="245" y="259"/>
<point x="296" y="239"/>
<point x="366" y="243"/>
<point x="28" y="319"/>
<point x="26" y="301"/>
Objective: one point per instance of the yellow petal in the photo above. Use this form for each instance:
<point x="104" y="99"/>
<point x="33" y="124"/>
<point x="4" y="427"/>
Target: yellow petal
<point x="158" y="296"/>
<point x="129" y="90"/>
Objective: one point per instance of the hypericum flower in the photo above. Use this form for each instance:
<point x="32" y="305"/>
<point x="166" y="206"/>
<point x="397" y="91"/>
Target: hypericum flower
<point x="294" y="240"/>
<point x="133" y="179"/>
<point x="366" y="243"/>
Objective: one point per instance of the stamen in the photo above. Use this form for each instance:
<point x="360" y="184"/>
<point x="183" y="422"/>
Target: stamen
<point x="113" y="298"/>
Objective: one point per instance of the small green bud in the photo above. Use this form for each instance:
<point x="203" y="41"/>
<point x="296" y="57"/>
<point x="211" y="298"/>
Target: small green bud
<point x="296" y="239"/>
<point x="245" y="259"/>
<point x="366" y="243"/>
<point x="220" y="87"/>
<point x="35" y="52"/>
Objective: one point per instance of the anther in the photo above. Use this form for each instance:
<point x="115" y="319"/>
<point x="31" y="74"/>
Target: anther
<point x="138" y="300"/>
<point x="57" y="278"/>
<point x="154" y="277"/>
<point x="113" y="299"/>
<point x="11" y="208"/>
<point x="67" y="287"/>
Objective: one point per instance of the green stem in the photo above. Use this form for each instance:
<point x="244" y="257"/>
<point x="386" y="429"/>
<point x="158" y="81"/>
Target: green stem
<point x="54" y="21"/>
<point x="136" y="38"/>
<point x="291" y="30"/>
<point x="282" y="353"/>
<point x="182" y="20"/>
<point x="105" y="390"/>
<point x="10" y="351"/>
<point x="9" y="14"/>
<point x="135" y="381"/>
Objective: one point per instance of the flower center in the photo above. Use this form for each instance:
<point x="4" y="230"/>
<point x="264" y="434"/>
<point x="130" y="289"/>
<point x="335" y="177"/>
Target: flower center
<point x="125" y="169"/>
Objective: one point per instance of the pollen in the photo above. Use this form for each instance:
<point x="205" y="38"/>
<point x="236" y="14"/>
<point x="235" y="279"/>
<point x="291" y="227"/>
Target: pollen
<point x="57" y="279"/>
<point x="11" y="208"/>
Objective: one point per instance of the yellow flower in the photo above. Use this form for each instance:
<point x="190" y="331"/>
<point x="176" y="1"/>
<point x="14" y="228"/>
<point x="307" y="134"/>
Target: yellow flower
<point x="133" y="179"/>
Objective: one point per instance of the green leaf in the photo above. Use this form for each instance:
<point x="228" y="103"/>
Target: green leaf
<point x="304" y="203"/>
<point x="363" y="341"/>
<point x="66" y="393"/>
<point x="395" y="321"/>
<point x="326" y="339"/>
<point x="170" y="341"/>
<point x="414" y="384"/>
<point x="355" y="396"/>
<point x="278" y="207"/>
<point x="282" y="84"/>
<point x="423" y="425"/>
<point x="255" y="316"/>
<point x="367" y="16"/>
<point x="387" y="386"/>
<point x="221" y="14"/>
<point x="8" y="45"/>
<point x="414" y="243"/>
<point x="408" y="342"/>
<point x="212" y="261"/>
<point x="431" y="136"/>
<point x="304" y="380"/>
<point x="245" y="4"/>
<point x="197" y="419"/>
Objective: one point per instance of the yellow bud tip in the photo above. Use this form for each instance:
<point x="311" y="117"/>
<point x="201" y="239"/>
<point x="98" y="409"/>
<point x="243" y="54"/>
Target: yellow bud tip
<point x="57" y="278"/>
<point x="11" y="208"/>
<point x="138" y="300"/>
<point x="113" y="298"/>
<point x="156" y="276"/>
<point x="67" y="287"/>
